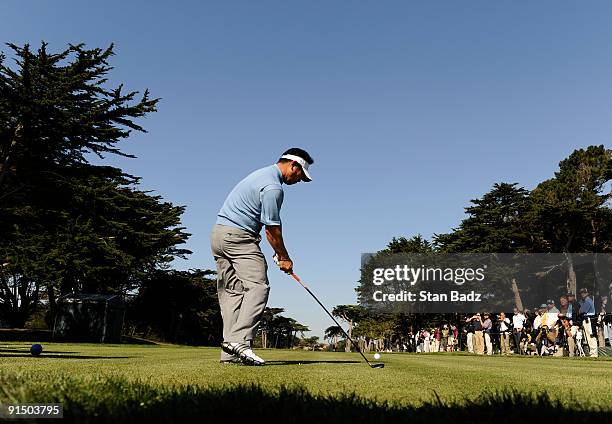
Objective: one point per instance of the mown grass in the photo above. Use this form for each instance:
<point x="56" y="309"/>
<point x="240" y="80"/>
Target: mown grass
<point x="117" y="400"/>
<point x="100" y="383"/>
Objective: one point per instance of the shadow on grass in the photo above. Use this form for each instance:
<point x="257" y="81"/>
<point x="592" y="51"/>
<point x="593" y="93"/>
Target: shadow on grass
<point x="137" y="340"/>
<point x="105" y="399"/>
<point x="308" y="362"/>
<point x="27" y="349"/>
<point x="47" y="355"/>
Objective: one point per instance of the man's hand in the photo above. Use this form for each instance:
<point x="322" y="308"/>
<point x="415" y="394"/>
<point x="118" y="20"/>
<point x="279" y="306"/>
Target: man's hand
<point x="285" y="264"/>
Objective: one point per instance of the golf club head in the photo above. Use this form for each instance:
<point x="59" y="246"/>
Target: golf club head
<point x="377" y="365"/>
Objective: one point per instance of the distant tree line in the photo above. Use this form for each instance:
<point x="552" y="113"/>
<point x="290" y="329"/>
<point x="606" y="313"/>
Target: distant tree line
<point x="280" y="332"/>
<point x="569" y="213"/>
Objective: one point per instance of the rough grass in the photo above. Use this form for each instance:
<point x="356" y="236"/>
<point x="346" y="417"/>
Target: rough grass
<point x="99" y="383"/>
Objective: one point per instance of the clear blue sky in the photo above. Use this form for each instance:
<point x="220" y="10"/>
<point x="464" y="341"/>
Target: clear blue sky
<point x="410" y="109"/>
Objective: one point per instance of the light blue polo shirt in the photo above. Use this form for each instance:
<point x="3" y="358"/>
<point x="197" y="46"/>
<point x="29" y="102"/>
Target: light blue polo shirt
<point x="587" y="306"/>
<point x="255" y="201"/>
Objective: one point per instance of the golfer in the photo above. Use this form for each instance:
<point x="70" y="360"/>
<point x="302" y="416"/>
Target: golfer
<point x="242" y="283"/>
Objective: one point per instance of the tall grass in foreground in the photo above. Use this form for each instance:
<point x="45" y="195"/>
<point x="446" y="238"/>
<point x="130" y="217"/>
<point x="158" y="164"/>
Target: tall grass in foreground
<point x="116" y="400"/>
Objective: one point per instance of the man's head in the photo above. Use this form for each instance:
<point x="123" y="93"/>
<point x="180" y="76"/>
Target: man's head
<point x="571" y="297"/>
<point x="550" y="304"/>
<point x="294" y="164"/>
<point x="563" y="300"/>
<point x="584" y="293"/>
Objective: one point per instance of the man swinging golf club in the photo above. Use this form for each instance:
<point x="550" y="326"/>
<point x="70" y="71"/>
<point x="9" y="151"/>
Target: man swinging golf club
<point x="242" y="283"/>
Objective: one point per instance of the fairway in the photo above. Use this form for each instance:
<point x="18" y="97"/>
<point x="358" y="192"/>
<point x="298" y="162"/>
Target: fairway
<point x="407" y="379"/>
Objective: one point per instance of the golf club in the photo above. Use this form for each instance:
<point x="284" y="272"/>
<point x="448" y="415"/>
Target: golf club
<point x="377" y="365"/>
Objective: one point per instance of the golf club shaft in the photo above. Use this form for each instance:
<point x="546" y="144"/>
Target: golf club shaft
<point x="331" y="316"/>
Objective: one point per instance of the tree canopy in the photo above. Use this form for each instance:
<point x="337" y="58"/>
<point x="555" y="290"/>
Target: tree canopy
<point x="67" y="224"/>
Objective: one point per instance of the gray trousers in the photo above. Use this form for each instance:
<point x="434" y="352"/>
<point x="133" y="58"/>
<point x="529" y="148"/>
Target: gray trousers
<point x="242" y="282"/>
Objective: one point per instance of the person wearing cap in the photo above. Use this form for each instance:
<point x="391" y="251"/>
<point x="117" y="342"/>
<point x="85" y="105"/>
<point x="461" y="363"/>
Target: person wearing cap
<point x="539" y="319"/>
<point x="504" y="333"/>
<point x="478" y="337"/>
<point x="603" y="333"/>
<point x="568" y="334"/>
<point x="563" y="305"/>
<point x="469" y="334"/>
<point x="572" y="308"/>
<point x="518" y="323"/>
<point x="547" y="335"/>
<point x="444" y="338"/>
<point x="242" y="282"/>
<point x="551" y="308"/>
<point x="487" y="327"/>
<point x="587" y="310"/>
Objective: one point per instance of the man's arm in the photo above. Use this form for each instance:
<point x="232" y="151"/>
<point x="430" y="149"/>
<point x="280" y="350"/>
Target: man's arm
<point x="274" y="234"/>
<point x="271" y="201"/>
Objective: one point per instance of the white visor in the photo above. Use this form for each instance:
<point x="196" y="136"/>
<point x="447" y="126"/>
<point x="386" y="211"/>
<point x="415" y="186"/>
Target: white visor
<point x="302" y="163"/>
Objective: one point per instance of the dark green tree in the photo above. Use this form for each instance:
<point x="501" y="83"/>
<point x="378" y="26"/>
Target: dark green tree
<point x="351" y="314"/>
<point x="267" y="324"/>
<point x="177" y="307"/>
<point x="494" y="224"/>
<point x="66" y="224"/>
<point x="416" y="244"/>
<point x="332" y="334"/>
<point x="571" y="212"/>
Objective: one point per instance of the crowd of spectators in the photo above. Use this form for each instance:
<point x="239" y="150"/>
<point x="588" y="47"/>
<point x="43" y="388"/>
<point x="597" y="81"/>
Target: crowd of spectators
<point x="573" y="327"/>
<point x="437" y="339"/>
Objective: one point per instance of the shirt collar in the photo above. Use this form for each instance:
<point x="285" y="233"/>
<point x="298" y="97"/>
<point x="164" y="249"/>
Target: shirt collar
<point x="279" y="173"/>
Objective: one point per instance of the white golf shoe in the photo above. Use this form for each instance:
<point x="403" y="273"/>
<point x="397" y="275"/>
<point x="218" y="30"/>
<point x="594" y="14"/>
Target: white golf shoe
<point x="244" y="352"/>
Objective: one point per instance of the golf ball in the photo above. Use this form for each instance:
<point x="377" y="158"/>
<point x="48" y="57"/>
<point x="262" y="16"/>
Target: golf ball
<point x="377" y="356"/>
<point x="36" y="349"/>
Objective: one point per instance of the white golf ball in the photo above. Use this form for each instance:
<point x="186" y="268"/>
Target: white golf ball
<point x="377" y="356"/>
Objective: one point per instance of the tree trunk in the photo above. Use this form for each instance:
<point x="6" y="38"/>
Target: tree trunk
<point x="598" y="280"/>
<point x="571" y="273"/>
<point x="517" y="296"/>
<point x="347" y="348"/>
<point x="52" y="301"/>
